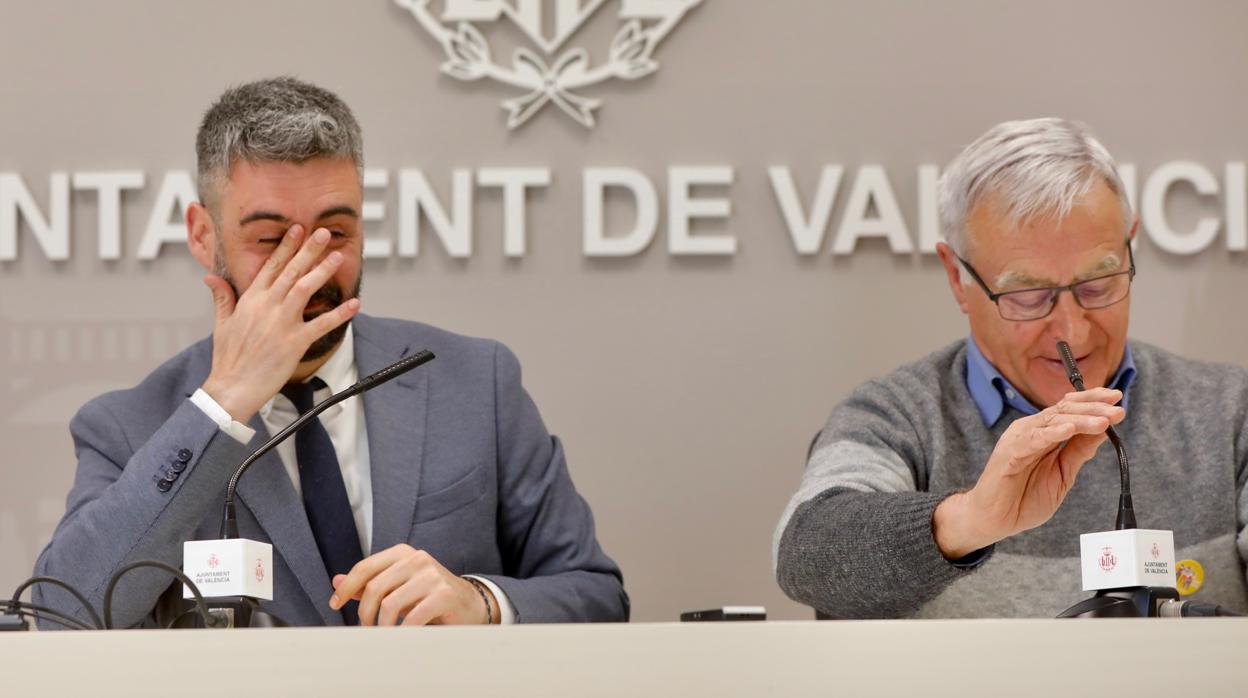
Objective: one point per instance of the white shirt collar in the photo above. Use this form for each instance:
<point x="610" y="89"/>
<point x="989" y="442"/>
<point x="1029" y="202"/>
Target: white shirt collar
<point x="338" y="372"/>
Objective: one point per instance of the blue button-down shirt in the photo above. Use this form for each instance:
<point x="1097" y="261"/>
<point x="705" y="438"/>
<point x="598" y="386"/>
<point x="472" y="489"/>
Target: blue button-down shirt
<point x="992" y="392"/>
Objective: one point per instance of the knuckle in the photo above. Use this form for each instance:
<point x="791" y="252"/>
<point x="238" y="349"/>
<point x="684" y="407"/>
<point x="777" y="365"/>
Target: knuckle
<point x="307" y="285"/>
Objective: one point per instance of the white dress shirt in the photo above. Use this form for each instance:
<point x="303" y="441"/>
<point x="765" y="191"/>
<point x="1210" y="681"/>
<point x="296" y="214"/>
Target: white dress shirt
<point x="345" y="424"/>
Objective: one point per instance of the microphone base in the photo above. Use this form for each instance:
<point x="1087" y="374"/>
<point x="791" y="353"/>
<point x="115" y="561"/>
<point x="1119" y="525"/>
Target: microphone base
<point x="236" y="612"/>
<point x="1131" y="602"/>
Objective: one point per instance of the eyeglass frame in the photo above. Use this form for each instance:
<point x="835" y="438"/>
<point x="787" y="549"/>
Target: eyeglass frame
<point x="995" y="297"/>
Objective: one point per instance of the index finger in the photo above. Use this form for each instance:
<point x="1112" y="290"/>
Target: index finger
<point x="1106" y="395"/>
<point x="353" y="583"/>
<point x="281" y="256"/>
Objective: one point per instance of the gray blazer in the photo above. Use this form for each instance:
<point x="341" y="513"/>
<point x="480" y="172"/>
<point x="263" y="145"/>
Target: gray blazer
<point x="462" y="467"/>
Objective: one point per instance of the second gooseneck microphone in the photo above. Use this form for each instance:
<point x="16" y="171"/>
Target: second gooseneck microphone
<point x="1126" y="508"/>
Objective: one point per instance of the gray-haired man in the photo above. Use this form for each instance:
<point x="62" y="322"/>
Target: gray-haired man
<point x="447" y="476"/>
<point x="958" y="485"/>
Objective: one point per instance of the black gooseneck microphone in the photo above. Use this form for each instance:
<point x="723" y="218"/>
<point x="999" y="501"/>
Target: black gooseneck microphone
<point x="245" y="611"/>
<point x="229" y="520"/>
<point x="1129" y="602"/>
<point x="1126" y="508"/>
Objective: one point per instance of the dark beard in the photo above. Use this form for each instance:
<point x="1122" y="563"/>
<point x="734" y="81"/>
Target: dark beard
<point x="332" y="295"/>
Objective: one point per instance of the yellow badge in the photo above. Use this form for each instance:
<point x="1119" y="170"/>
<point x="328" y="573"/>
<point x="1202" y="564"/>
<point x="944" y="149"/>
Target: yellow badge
<point x="1191" y="577"/>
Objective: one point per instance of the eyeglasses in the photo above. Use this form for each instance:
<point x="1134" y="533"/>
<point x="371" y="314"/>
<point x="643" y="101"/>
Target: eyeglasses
<point x="1037" y="303"/>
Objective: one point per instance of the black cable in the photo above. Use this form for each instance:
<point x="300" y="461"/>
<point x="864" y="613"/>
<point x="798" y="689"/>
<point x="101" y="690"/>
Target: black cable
<point x="210" y="621"/>
<point x="1174" y="608"/>
<point x="178" y="618"/>
<point x="40" y="616"/>
<point x="28" y="610"/>
<point x="86" y="606"/>
<point x="1194" y="609"/>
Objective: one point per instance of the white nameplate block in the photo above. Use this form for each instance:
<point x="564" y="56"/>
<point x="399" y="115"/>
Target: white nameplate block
<point x="1136" y="557"/>
<point x="235" y="567"/>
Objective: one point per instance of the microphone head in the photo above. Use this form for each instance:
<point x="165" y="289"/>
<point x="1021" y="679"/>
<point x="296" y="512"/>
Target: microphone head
<point x="394" y="370"/>
<point x="1072" y="368"/>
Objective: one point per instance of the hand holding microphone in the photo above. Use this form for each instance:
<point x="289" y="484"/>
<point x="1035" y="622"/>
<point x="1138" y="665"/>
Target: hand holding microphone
<point x="1030" y="471"/>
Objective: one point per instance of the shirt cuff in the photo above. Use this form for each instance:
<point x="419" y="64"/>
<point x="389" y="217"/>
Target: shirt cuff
<point x="506" y="612"/>
<point x="974" y="559"/>
<point x="237" y="430"/>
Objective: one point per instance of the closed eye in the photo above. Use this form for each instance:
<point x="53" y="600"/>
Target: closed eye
<point x="1097" y="288"/>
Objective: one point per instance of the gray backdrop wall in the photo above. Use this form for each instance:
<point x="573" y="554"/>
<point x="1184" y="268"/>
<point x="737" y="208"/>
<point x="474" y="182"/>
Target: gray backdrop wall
<point x="686" y="387"/>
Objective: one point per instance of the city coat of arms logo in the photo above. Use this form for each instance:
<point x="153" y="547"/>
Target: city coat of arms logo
<point x="1108" y="559"/>
<point x="550" y="73"/>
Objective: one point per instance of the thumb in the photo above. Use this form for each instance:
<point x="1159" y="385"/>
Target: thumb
<point x="222" y="296"/>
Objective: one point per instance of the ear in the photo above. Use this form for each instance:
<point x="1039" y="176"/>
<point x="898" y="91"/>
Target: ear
<point x="1135" y="227"/>
<point x="953" y="270"/>
<point x="201" y="234"/>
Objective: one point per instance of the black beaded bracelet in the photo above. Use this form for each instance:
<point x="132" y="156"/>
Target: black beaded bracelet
<point x="489" y="613"/>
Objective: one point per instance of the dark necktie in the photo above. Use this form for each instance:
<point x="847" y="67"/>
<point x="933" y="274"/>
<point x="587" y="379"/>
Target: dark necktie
<point x="324" y="494"/>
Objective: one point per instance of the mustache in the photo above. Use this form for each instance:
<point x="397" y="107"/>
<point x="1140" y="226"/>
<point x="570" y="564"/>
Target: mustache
<point x="330" y="295"/>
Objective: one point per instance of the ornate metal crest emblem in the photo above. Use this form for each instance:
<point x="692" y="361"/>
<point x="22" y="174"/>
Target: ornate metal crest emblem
<point x="550" y="74"/>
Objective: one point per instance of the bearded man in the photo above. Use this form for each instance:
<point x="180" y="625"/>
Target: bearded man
<point x="437" y="498"/>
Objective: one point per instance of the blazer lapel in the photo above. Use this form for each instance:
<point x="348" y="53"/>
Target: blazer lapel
<point x="395" y="417"/>
<point x="268" y="494"/>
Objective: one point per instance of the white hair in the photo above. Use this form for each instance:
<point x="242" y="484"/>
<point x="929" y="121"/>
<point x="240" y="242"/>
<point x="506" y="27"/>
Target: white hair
<point x="1035" y="168"/>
